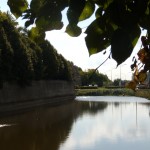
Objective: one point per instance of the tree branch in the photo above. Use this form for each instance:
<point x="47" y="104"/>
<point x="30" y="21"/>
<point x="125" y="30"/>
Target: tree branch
<point x="99" y="66"/>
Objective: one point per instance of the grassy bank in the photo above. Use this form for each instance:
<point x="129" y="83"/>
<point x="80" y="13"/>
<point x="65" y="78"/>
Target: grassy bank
<point x="104" y="92"/>
<point x="145" y="93"/>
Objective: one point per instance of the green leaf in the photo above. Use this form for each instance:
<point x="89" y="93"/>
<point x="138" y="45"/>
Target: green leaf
<point x="47" y="24"/>
<point x="97" y="26"/>
<point x="36" y="5"/>
<point x="99" y="12"/>
<point x="140" y="7"/>
<point x="73" y="30"/>
<point x="144" y="22"/>
<point x="87" y="11"/>
<point x="120" y="15"/>
<point x="98" y="35"/>
<point x="103" y="3"/>
<point x="36" y="35"/>
<point x="28" y="23"/>
<point x="96" y="44"/>
<point x="17" y="7"/>
<point x="50" y="9"/>
<point x="134" y="34"/>
<point x="76" y="7"/>
<point x="121" y="45"/>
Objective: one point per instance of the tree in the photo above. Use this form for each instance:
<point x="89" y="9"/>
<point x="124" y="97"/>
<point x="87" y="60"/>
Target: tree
<point x="16" y="57"/>
<point x="6" y="58"/>
<point x="75" y="73"/>
<point x="117" y="23"/>
<point x="116" y="82"/>
<point x="24" y="60"/>
<point x="50" y="64"/>
<point x="90" y="78"/>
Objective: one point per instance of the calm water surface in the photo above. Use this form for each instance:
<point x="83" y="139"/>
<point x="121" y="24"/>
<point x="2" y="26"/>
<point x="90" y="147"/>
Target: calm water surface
<point x="88" y="123"/>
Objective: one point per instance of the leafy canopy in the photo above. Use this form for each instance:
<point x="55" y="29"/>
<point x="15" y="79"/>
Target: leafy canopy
<point x="117" y="23"/>
<point x="22" y="60"/>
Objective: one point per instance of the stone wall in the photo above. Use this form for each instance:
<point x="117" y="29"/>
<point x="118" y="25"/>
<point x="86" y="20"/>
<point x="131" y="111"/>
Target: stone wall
<point x="14" y="97"/>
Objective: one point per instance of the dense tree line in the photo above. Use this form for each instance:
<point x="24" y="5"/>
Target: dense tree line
<point x="117" y="23"/>
<point x="93" y="78"/>
<point x="23" y="60"/>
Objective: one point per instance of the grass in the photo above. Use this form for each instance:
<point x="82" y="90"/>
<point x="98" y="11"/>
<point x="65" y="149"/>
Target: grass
<point x="145" y="93"/>
<point x="104" y="92"/>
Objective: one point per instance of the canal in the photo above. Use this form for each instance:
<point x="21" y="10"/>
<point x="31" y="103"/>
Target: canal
<point x="88" y="123"/>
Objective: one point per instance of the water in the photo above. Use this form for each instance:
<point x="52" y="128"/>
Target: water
<point x="88" y="123"/>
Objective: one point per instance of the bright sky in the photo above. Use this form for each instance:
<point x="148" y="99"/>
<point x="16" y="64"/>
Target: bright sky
<point x="74" y="49"/>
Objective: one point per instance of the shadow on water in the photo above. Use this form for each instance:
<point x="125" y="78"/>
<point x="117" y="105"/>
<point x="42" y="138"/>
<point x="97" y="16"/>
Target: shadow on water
<point x="43" y="128"/>
<point x="46" y="128"/>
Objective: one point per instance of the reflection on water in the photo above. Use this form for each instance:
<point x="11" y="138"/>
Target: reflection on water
<point x="5" y="125"/>
<point x="89" y="123"/>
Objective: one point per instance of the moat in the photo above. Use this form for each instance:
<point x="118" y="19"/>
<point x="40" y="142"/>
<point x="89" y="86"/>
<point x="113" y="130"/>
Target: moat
<point x="87" y="123"/>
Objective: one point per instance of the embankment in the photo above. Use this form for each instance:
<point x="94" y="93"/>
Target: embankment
<point x="17" y="99"/>
<point x="104" y="92"/>
<point x="143" y="93"/>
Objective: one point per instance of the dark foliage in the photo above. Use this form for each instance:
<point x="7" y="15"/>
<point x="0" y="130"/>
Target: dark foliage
<point x="23" y="60"/>
<point x="88" y="78"/>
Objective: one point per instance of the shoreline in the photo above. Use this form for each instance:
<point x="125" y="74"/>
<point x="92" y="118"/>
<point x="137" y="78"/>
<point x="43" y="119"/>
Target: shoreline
<point x="145" y="93"/>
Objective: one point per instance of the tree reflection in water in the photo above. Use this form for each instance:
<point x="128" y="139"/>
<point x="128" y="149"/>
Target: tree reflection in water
<point x="43" y="128"/>
<point x="48" y="128"/>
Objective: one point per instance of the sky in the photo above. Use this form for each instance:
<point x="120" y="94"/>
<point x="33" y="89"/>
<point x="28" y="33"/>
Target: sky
<point x="74" y="49"/>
